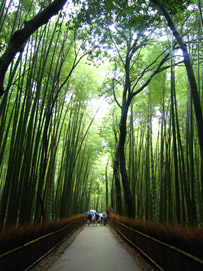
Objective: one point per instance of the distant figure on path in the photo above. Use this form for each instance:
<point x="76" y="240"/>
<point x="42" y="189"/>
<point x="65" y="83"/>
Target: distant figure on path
<point x="93" y="219"/>
<point x="89" y="218"/>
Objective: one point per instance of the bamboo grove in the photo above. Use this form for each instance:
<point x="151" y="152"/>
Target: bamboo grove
<point x="57" y="159"/>
<point x="45" y="157"/>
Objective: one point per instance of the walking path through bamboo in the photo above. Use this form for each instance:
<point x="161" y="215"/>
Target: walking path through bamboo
<point x="95" y="248"/>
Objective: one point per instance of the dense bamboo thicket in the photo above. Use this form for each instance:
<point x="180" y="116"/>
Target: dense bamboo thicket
<point x="164" y="158"/>
<point x="57" y="158"/>
<point x="45" y="155"/>
<point x="162" y="148"/>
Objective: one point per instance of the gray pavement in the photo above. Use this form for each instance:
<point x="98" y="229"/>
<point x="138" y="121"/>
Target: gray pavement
<point x="95" y="249"/>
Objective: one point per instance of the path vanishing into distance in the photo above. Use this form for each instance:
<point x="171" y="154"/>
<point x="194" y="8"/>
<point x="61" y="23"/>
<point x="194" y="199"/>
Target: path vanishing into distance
<point x="94" y="248"/>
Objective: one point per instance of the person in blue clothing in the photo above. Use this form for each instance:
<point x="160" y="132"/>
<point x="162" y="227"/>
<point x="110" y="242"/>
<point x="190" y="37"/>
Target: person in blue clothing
<point x="103" y="219"/>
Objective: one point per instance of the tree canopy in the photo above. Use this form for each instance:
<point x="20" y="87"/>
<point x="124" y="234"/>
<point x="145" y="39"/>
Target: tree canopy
<point x="144" y="157"/>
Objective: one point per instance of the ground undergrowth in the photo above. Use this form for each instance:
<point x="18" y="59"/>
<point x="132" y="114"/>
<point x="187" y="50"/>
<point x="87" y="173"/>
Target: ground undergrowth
<point x="189" y="239"/>
<point x="18" y="236"/>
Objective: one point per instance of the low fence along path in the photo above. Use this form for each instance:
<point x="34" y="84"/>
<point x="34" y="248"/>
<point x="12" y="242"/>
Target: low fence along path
<point x="95" y="248"/>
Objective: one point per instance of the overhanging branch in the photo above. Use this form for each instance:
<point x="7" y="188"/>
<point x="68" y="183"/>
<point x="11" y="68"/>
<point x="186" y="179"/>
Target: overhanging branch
<point x="158" y="69"/>
<point x="20" y="37"/>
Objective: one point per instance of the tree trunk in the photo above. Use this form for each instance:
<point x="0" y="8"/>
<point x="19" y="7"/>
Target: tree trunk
<point x="118" y="186"/>
<point x="175" y="150"/>
<point x="121" y="155"/>
<point x="107" y="190"/>
<point x="132" y="164"/>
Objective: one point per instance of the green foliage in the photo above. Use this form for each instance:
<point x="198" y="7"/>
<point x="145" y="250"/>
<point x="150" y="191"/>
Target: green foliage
<point x="54" y="152"/>
<point x="176" y="6"/>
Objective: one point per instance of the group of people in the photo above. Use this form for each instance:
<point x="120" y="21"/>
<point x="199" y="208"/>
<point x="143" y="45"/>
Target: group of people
<point x="95" y="218"/>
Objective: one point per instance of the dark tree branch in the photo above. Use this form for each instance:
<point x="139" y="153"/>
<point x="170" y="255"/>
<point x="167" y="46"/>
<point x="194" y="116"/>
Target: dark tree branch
<point x="157" y="70"/>
<point x="114" y="94"/>
<point x="200" y="12"/>
<point x="20" y="37"/>
<point x="116" y="47"/>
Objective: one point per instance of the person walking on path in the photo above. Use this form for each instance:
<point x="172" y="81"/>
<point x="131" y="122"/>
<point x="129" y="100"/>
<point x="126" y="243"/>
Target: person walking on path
<point x="89" y="218"/>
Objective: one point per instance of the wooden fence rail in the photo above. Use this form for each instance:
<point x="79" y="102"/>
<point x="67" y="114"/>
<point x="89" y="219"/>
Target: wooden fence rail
<point x="25" y="256"/>
<point x="162" y="255"/>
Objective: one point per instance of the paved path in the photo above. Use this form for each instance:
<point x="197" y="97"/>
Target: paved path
<point x="95" y="249"/>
